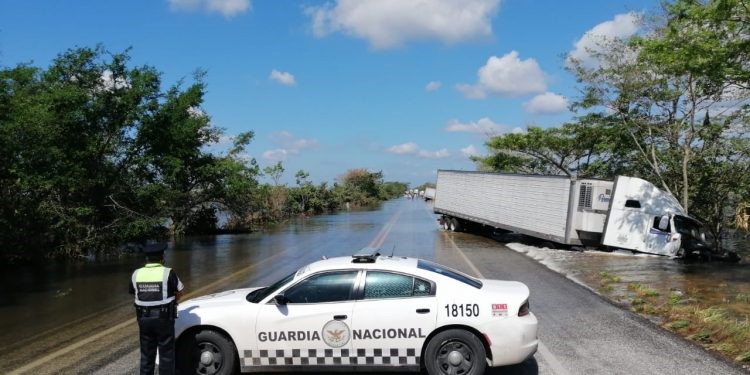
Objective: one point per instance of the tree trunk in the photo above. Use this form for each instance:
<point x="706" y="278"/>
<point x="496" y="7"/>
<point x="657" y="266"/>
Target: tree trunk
<point x="685" y="180"/>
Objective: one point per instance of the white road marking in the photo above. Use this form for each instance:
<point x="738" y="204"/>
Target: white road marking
<point x="380" y="238"/>
<point x="549" y="358"/>
<point x="72" y="347"/>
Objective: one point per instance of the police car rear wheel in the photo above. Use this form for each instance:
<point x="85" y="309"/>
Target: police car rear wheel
<point x="207" y="353"/>
<point x="455" y="352"/>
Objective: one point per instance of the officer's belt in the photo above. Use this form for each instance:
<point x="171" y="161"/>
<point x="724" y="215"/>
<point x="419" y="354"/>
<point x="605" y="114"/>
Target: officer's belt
<point x="160" y="302"/>
<point x="165" y="310"/>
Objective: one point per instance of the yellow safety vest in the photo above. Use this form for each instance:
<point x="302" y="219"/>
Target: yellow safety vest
<point x="150" y="285"/>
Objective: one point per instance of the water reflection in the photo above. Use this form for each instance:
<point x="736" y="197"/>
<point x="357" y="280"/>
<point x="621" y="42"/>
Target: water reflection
<point x="36" y="300"/>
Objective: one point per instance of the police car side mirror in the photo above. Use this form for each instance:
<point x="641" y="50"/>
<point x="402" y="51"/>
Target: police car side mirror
<point x="280" y="299"/>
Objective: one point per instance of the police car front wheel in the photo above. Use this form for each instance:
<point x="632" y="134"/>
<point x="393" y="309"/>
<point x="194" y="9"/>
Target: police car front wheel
<point x="207" y="352"/>
<point x="455" y="351"/>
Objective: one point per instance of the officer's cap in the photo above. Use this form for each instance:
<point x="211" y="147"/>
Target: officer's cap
<point x="155" y="248"/>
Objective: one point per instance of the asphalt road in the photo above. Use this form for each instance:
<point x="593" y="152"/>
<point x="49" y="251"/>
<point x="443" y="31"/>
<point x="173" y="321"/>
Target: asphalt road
<point x="580" y="332"/>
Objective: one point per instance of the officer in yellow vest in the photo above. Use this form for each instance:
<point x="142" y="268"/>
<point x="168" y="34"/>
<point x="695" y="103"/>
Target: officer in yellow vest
<point x="156" y="289"/>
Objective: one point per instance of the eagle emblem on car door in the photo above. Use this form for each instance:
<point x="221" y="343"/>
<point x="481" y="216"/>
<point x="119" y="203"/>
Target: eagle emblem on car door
<point x="336" y="333"/>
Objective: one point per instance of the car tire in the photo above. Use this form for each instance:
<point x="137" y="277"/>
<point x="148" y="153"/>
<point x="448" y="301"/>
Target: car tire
<point x="207" y="352"/>
<point x="455" y="351"/>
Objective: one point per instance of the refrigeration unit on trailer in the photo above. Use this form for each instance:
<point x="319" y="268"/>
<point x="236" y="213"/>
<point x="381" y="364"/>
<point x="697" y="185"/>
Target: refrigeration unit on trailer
<point x="628" y="213"/>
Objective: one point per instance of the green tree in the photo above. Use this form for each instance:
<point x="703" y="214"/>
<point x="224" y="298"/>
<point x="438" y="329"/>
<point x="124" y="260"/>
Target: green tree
<point x="680" y="93"/>
<point x="360" y="186"/>
<point x="669" y="105"/>
<point x="391" y="189"/>
<point x="94" y="154"/>
<point x="277" y="194"/>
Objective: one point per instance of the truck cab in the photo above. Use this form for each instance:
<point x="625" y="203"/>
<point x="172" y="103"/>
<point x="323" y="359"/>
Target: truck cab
<point x="644" y="218"/>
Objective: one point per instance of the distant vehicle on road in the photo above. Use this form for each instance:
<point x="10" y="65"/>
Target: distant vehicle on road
<point x="429" y="193"/>
<point x="365" y="312"/>
<point x="627" y="213"/>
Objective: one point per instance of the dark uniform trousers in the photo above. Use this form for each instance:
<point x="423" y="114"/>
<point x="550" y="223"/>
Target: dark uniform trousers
<point x="156" y="326"/>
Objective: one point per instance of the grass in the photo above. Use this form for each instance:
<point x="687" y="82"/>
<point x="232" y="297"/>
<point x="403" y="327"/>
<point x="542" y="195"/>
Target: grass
<point x="721" y="328"/>
<point x="742" y="297"/>
<point x="606" y="280"/>
<point x="715" y="327"/>
<point x="679" y="324"/>
<point x="642" y="290"/>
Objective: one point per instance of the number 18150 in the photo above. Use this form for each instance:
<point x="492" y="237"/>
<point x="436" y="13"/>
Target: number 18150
<point x="465" y="310"/>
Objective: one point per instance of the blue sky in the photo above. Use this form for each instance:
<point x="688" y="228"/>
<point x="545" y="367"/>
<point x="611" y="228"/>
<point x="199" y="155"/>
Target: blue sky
<point x="406" y="87"/>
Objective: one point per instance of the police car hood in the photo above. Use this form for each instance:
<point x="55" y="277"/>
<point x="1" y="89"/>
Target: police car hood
<point x="220" y="298"/>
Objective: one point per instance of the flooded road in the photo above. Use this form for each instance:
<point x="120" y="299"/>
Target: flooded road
<point x="712" y="283"/>
<point x="78" y="318"/>
<point x="43" y="308"/>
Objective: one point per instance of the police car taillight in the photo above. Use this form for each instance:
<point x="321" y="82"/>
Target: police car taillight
<point x="524" y="310"/>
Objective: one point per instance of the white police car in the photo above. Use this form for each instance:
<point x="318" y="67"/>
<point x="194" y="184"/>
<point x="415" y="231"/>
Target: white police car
<point x="365" y="312"/>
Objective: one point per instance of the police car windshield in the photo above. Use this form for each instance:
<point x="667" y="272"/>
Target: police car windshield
<point x="453" y="274"/>
<point x="260" y="294"/>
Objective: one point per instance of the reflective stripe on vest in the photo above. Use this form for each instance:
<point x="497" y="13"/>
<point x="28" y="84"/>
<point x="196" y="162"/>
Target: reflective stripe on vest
<point x="149" y="275"/>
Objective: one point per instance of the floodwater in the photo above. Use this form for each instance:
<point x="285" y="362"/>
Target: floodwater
<point x="45" y="306"/>
<point x="711" y="283"/>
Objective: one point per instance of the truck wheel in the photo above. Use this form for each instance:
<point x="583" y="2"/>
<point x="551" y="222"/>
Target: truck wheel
<point x="447" y="223"/>
<point x="455" y="351"/>
<point x="455" y="225"/>
<point x="207" y="352"/>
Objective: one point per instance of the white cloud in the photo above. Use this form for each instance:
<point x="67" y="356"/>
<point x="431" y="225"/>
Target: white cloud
<point x="592" y="41"/>
<point x="433" y="86"/>
<point x="110" y="83"/>
<point x="228" y="8"/>
<point x="278" y="154"/>
<point x="392" y="23"/>
<point x="284" y="78"/>
<point x="288" y="145"/>
<point x="411" y="148"/>
<point x="197" y="112"/>
<point x="483" y="126"/>
<point x="506" y="76"/>
<point x="404" y="148"/>
<point x="546" y="104"/>
<point x="470" y="151"/>
<point x="224" y="140"/>
<point x="442" y="153"/>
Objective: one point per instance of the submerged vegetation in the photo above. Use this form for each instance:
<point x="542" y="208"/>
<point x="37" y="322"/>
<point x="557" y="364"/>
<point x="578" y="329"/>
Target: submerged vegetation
<point x="721" y="328"/>
<point x="94" y="153"/>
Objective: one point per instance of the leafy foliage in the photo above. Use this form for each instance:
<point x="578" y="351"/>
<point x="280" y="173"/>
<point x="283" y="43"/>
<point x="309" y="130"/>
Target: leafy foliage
<point x="669" y="105"/>
<point x="95" y="154"/>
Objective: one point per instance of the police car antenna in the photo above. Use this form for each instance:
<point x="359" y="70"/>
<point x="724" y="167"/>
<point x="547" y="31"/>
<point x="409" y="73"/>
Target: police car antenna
<point x="394" y="250"/>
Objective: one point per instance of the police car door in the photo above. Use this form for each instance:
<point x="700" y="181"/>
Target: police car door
<point x="309" y="324"/>
<point x="392" y="318"/>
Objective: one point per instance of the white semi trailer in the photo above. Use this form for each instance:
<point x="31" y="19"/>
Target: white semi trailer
<point x="627" y="213"/>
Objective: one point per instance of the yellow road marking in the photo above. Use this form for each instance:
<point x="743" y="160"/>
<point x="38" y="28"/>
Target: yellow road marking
<point x="380" y="238"/>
